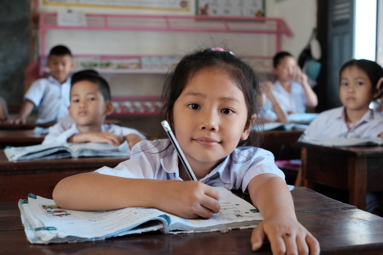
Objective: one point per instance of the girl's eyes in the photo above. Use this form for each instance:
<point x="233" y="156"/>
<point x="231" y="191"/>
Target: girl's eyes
<point x="194" y="106"/>
<point x="91" y="99"/>
<point x="75" y="100"/>
<point x="343" y="84"/>
<point x="227" y="111"/>
<point x="360" y="83"/>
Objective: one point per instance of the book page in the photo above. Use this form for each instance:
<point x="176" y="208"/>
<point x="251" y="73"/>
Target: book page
<point x="234" y="213"/>
<point x="98" y="149"/>
<point x="341" y="141"/>
<point x="54" y="222"/>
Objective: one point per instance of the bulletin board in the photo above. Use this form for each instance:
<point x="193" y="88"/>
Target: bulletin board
<point x="238" y="8"/>
<point x="168" y="5"/>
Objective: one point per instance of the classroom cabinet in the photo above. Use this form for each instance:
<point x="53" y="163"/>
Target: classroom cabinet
<point x="139" y="46"/>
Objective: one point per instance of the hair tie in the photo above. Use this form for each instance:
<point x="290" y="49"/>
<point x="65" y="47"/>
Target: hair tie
<point x="221" y="50"/>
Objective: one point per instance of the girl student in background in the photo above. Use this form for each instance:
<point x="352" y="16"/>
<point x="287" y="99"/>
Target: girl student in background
<point x="291" y="88"/>
<point x="210" y="102"/>
<point x="359" y="84"/>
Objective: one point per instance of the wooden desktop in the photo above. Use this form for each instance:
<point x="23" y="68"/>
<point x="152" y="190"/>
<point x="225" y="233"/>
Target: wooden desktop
<point x="357" y="170"/>
<point x="340" y="228"/>
<point x="39" y="176"/>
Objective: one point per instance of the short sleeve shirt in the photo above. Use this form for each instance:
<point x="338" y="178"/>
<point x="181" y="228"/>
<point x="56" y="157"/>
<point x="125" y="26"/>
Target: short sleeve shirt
<point x="332" y="123"/>
<point x="158" y="160"/>
<point x="51" y="98"/>
<point x="295" y="101"/>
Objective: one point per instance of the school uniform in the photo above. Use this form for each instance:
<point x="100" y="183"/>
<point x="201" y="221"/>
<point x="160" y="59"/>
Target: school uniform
<point x="332" y="123"/>
<point x="63" y="130"/>
<point x="159" y="160"/>
<point x="51" y="98"/>
<point x="295" y="101"/>
<point x="267" y="112"/>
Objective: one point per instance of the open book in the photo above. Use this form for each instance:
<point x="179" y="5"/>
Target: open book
<point x="281" y="126"/>
<point x="341" y="141"/>
<point x="74" y="150"/>
<point x="44" y="222"/>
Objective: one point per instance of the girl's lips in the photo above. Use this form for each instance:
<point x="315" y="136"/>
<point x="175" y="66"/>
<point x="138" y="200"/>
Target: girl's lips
<point x="206" y="141"/>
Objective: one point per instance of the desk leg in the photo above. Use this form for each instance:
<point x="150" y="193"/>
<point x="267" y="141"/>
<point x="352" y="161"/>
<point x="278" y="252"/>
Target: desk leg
<point x="357" y="182"/>
<point x="303" y="171"/>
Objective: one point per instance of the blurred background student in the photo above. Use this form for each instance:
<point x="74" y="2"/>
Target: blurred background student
<point x="50" y="95"/>
<point x="3" y="110"/>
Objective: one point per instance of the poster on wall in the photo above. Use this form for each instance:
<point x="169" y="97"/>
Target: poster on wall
<point x="169" y="5"/>
<point x="238" y="8"/>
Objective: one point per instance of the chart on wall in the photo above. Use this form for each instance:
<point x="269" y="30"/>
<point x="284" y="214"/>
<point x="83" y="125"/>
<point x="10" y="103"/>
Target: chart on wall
<point x="241" y="8"/>
<point x="172" y="5"/>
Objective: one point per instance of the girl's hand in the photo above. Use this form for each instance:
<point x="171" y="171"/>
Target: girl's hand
<point x="301" y="77"/>
<point x="187" y="199"/>
<point x="286" y="236"/>
<point x="132" y="139"/>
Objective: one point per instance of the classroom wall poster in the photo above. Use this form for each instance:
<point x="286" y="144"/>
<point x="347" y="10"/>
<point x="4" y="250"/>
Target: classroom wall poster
<point x="239" y="8"/>
<point x="169" y="5"/>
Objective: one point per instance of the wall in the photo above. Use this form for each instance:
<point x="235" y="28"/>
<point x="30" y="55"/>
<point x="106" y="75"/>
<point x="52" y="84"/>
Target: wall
<point x="300" y="16"/>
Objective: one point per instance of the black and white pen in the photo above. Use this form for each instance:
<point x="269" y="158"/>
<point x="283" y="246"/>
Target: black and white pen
<point x="181" y="155"/>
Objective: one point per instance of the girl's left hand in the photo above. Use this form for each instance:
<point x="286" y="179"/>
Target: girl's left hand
<point x="301" y="77"/>
<point x="132" y="139"/>
<point x="285" y="237"/>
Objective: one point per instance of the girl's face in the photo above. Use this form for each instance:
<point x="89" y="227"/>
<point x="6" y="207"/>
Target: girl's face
<point x="210" y="118"/>
<point x="286" y="69"/>
<point x="356" y="90"/>
<point x="87" y="105"/>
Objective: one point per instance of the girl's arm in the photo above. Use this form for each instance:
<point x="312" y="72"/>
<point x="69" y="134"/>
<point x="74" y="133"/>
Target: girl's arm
<point x="132" y="139"/>
<point x="311" y="97"/>
<point x="267" y="88"/>
<point x="271" y="196"/>
<point x="94" y="191"/>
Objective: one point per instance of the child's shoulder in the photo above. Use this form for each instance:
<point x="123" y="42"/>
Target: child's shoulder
<point x="158" y="146"/>
<point x="249" y="153"/>
<point x="331" y="113"/>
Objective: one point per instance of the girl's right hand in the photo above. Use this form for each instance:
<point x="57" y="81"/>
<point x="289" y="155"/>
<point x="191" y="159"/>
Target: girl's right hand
<point x="187" y="199"/>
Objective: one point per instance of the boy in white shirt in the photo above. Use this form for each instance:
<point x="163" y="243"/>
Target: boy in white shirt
<point x="90" y="103"/>
<point x="50" y="95"/>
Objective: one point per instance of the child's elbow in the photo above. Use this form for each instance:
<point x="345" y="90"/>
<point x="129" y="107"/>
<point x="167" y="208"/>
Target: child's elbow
<point x="60" y="195"/>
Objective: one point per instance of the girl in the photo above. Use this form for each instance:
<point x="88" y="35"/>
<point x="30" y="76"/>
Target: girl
<point x="360" y="82"/>
<point x="359" y="85"/>
<point x="210" y="104"/>
<point x="291" y="88"/>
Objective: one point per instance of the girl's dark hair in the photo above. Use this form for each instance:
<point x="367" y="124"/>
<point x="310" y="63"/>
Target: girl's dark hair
<point x="189" y="65"/>
<point x="94" y="77"/>
<point x="371" y="68"/>
<point x="280" y="55"/>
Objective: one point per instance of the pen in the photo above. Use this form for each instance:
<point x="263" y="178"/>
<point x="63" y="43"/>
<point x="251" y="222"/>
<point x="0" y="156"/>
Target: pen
<point x="181" y="155"/>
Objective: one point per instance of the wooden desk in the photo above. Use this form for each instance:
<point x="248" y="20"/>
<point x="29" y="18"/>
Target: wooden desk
<point x="340" y="229"/>
<point x="357" y="170"/>
<point x="281" y="143"/>
<point x="19" y="178"/>
<point x="27" y="126"/>
<point x="19" y="138"/>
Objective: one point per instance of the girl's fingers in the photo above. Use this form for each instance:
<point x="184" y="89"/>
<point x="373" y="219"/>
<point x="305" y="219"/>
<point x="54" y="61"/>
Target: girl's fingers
<point x="301" y="244"/>
<point x="313" y="244"/>
<point x="257" y="237"/>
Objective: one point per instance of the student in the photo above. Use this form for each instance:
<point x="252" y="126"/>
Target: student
<point x="3" y="110"/>
<point x="50" y="95"/>
<point x="90" y="103"/>
<point x="359" y="85"/>
<point x="291" y="89"/>
<point x="270" y="111"/>
<point x="211" y="105"/>
<point x="357" y="88"/>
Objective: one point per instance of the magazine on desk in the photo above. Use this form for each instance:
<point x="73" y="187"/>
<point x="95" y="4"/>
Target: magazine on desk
<point x="341" y="141"/>
<point x="74" y="150"/>
<point x="45" y="223"/>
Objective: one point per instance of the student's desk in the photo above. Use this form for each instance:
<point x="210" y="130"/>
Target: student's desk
<point x="40" y="176"/>
<point x="355" y="169"/>
<point x="281" y="143"/>
<point x="340" y="229"/>
<point x="19" y="138"/>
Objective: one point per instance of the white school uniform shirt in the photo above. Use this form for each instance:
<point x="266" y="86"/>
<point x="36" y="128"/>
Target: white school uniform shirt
<point x="295" y="101"/>
<point x="267" y="111"/>
<point x="50" y="97"/>
<point x="151" y="160"/>
<point x="332" y="123"/>
<point x="63" y="130"/>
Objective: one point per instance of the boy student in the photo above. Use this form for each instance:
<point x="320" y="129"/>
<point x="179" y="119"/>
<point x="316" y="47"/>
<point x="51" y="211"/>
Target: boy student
<point x="50" y="95"/>
<point x="89" y="105"/>
<point x="291" y="89"/>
